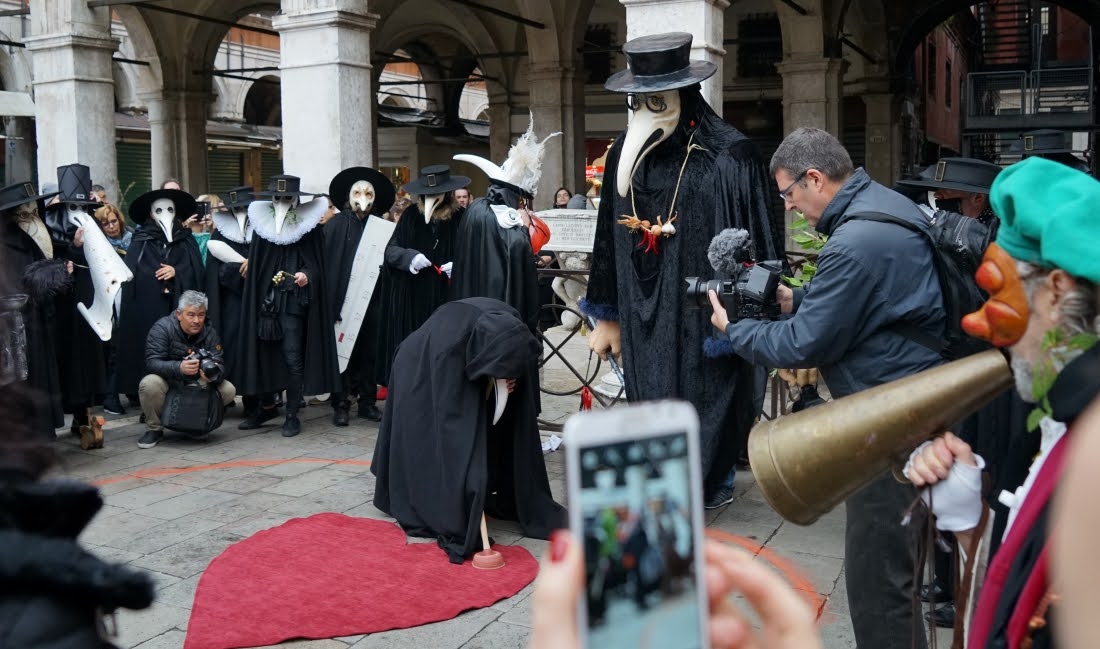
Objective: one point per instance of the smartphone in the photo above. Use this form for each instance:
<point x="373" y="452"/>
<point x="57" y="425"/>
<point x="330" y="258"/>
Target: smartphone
<point x="635" y="505"/>
<point x="202" y="210"/>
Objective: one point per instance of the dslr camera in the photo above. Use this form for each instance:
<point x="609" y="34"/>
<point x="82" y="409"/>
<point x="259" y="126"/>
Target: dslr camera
<point x="750" y="293"/>
<point x="208" y="364"/>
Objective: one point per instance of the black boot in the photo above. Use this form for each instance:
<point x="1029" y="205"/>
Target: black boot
<point x="341" y="413"/>
<point x="291" y="426"/>
<point x="367" y="410"/>
<point x="258" y="418"/>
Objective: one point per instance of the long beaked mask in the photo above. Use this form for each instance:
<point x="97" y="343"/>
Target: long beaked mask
<point x="164" y="213"/>
<point x="241" y="214"/>
<point x="72" y="211"/>
<point x="361" y="197"/>
<point x="431" y="201"/>
<point x="283" y="205"/>
<point x="653" y="117"/>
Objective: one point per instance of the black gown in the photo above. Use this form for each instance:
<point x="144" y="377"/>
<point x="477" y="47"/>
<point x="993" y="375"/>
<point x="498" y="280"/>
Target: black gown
<point x="146" y="299"/>
<point x="668" y="349"/>
<point x="408" y="300"/>
<point x="224" y="288"/>
<point x="439" y="463"/>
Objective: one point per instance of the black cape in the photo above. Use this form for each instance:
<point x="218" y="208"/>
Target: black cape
<point x="146" y="299"/>
<point x="438" y="461"/>
<point x="224" y="288"/>
<point x="342" y="236"/>
<point x="670" y="350"/>
<point x="262" y="366"/>
<point x="408" y="300"/>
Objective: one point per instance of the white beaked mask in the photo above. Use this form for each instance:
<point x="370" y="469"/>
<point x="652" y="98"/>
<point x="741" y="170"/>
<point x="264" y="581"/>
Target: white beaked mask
<point x="283" y="204"/>
<point x="361" y="197"/>
<point x="241" y="214"/>
<point x="653" y="117"/>
<point x="164" y="214"/>
<point x="72" y="211"/>
<point x="431" y="201"/>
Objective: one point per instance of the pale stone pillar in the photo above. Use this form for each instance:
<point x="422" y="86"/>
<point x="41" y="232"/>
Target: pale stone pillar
<point x="19" y="150"/>
<point x="500" y="127"/>
<point x="883" y="154"/>
<point x="327" y="96"/>
<point x="703" y="19"/>
<point x="177" y="125"/>
<point x="556" y="93"/>
<point x="813" y="92"/>
<point x="74" y="89"/>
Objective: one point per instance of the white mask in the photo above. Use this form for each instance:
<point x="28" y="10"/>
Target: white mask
<point x="164" y="214"/>
<point x="361" y="197"/>
<point x="241" y="214"/>
<point x="283" y="205"/>
<point x="646" y="130"/>
<point x="431" y="201"/>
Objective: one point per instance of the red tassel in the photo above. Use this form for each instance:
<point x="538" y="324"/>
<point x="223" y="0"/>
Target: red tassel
<point x="586" y="398"/>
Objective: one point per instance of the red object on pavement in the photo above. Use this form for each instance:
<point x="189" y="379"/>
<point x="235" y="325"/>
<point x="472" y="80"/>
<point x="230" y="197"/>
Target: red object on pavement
<point x="381" y="394"/>
<point x="332" y="575"/>
<point x="586" y="398"/>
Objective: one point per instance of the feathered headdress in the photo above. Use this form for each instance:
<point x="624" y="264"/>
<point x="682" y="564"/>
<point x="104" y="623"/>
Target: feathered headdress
<point x="523" y="168"/>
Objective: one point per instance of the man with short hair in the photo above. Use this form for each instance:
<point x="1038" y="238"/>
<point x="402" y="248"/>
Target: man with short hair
<point x="871" y="277"/>
<point x="172" y="353"/>
<point x="959" y="185"/>
<point x="462" y="197"/>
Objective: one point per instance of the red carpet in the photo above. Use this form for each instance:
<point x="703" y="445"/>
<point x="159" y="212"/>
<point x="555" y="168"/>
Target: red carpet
<point x="332" y="575"/>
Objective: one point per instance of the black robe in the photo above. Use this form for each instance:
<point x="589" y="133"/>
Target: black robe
<point x="224" y="288"/>
<point x="668" y="349"/>
<point x="439" y="463"/>
<point x="408" y="300"/>
<point x="146" y="299"/>
<point x="262" y="365"/>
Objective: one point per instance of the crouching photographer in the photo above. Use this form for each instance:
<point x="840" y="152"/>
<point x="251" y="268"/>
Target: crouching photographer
<point x="184" y="389"/>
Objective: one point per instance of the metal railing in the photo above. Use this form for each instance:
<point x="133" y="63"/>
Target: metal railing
<point x="1051" y="97"/>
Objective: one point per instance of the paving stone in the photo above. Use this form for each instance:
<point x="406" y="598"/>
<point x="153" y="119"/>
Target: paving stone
<point x="449" y="634"/>
<point x="147" y="495"/>
<point x="520" y="613"/>
<point x="500" y="635"/>
<point x="209" y="477"/>
<point x="218" y="453"/>
<point x="291" y="469"/>
<point x="249" y="525"/>
<point x="307" y="483"/>
<point x="181" y="593"/>
<point x="169" y="533"/>
<point x="189" y="557"/>
<point x="332" y="499"/>
<point x="243" y="484"/>
<point x="188" y="503"/>
<point x="244" y="506"/>
<point x="171" y="639"/>
<point x="506" y="605"/>
<point x="368" y="510"/>
<point x="135" y="627"/>
<point x="117" y="530"/>
<point x="313" y="644"/>
<point x="112" y="555"/>
<point x="113" y="488"/>
<point x="823" y="537"/>
<point x="822" y="571"/>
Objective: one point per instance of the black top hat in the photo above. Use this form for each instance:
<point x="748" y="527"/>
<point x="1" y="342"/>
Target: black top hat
<point x="283" y="185"/>
<point x="1043" y="141"/>
<point x="235" y="198"/>
<point x="435" y="179"/>
<point x="963" y="174"/>
<point x="75" y="183"/>
<point x="384" y="191"/>
<point x="185" y="204"/>
<point x="659" y="62"/>
<point x="19" y="194"/>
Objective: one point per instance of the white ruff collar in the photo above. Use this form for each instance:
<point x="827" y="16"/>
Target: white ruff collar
<point x="299" y="221"/>
<point x="227" y="225"/>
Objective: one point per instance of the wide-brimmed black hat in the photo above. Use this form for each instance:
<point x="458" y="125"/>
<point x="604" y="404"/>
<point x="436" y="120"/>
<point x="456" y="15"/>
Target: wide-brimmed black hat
<point x="283" y="185"/>
<point x="659" y="62"/>
<point x="384" y="191"/>
<point x="139" y="208"/>
<point x="435" y="179"/>
<point x="75" y="184"/>
<point x="1043" y="141"/>
<point x="19" y="194"/>
<point x="963" y="174"/>
<point x="238" y="197"/>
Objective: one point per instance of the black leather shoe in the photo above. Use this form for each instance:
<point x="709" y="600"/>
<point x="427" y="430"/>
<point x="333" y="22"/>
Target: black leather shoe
<point x="928" y="591"/>
<point x="258" y="418"/>
<point x="943" y="616"/>
<point x="291" y="426"/>
<point x="370" y="412"/>
<point x="341" y="414"/>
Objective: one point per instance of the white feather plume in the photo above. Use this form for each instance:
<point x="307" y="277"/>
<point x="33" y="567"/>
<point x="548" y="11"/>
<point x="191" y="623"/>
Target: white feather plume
<point x="523" y="167"/>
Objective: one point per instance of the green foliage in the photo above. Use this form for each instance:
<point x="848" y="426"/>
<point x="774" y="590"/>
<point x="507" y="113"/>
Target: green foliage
<point x="1057" y="345"/>
<point x="810" y="241"/>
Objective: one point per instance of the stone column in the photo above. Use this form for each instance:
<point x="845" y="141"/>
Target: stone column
<point x="327" y="95"/>
<point x="883" y="154"/>
<point x="74" y="89"/>
<point x="19" y="150"/>
<point x="704" y="19"/>
<point x="500" y="127"/>
<point x="812" y="92"/>
<point x="556" y="94"/>
<point x="177" y="125"/>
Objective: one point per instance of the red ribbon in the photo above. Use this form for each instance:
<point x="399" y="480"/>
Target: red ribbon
<point x="586" y="398"/>
<point x="648" y="242"/>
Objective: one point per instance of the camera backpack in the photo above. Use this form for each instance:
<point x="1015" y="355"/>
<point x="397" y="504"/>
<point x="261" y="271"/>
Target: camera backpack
<point x="192" y="409"/>
<point x="958" y="243"/>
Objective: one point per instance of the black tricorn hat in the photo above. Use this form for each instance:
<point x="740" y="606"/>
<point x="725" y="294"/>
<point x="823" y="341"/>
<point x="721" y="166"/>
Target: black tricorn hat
<point x="75" y="184"/>
<point x="283" y="185"/>
<point x="236" y="197"/>
<point x="384" y="192"/>
<point x="659" y="62"/>
<point x="1043" y="141"/>
<point x="963" y="174"/>
<point x="184" y="202"/>
<point x="19" y="194"/>
<point x="435" y="179"/>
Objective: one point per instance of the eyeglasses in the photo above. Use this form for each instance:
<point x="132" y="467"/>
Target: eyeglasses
<point x="655" y="103"/>
<point x="783" y="194"/>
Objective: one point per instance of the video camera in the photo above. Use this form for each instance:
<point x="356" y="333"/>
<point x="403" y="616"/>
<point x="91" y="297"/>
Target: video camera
<point x="750" y="291"/>
<point x="208" y="364"/>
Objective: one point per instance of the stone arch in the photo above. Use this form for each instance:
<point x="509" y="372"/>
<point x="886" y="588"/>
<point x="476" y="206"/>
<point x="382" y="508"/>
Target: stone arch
<point x="126" y="84"/>
<point x="242" y="92"/>
<point x="15" y="69"/>
<point x="144" y="48"/>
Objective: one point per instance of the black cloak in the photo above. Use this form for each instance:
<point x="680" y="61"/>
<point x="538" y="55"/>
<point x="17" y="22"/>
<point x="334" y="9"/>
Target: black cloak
<point x="438" y="461"/>
<point x="342" y="236"/>
<point x="408" y="300"/>
<point x="262" y="364"/>
<point x="146" y="299"/>
<point x="668" y="349"/>
<point x="224" y="288"/>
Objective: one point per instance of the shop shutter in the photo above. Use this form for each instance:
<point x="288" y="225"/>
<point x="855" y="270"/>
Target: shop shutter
<point x="270" y="165"/>
<point x="135" y="171"/>
<point x="223" y="171"/>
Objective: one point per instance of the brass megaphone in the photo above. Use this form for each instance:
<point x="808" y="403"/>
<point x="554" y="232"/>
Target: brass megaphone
<point x="809" y="462"/>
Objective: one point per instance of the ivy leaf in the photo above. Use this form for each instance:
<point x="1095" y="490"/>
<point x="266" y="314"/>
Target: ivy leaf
<point x="794" y="281"/>
<point x="1034" y="418"/>
<point x="799" y="224"/>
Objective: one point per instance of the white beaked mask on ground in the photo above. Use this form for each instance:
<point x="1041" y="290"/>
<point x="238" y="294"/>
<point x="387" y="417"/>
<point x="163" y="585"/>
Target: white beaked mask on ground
<point x="653" y="117"/>
<point x="283" y="205"/>
<point x="164" y="213"/>
<point x="361" y="197"/>
<point x="431" y="201"/>
<point x="241" y="214"/>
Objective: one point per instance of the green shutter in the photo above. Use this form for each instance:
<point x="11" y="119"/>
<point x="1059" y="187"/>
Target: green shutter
<point x="223" y="171"/>
<point x="270" y="165"/>
<point x="135" y="172"/>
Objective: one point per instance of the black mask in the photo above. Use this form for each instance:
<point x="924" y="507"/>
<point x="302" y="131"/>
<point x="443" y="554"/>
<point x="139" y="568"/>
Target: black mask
<point x="949" y="205"/>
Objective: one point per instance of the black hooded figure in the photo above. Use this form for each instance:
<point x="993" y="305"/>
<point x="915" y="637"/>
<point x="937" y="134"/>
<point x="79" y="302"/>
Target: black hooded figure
<point x="359" y="192"/>
<point x="286" y="331"/>
<point x="416" y="279"/>
<point x="440" y="461"/>
<point x="165" y="261"/>
<point x="695" y="175"/>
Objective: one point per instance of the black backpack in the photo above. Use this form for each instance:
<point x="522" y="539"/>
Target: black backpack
<point x="958" y="243"/>
<point x="192" y="409"/>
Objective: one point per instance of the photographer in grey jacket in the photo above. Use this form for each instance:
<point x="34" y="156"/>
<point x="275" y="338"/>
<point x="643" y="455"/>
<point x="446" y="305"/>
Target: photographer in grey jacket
<point x="180" y="348"/>
<point x="871" y="277"/>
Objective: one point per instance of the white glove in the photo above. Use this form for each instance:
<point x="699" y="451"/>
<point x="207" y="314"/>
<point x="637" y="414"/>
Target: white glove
<point x="446" y="268"/>
<point x="419" y="263"/>
<point x="957" y="500"/>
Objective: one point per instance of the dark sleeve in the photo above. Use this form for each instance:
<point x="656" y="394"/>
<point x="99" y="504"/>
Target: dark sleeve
<point x="398" y="256"/>
<point x="157" y="358"/>
<point x="602" y="299"/>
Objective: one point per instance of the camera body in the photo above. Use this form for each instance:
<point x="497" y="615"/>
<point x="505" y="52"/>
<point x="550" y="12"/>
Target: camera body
<point x="208" y="364"/>
<point x="749" y="294"/>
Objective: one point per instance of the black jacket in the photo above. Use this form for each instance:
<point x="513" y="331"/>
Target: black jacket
<point x="167" y="346"/>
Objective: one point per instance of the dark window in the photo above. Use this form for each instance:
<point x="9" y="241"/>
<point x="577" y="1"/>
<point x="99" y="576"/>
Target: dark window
<point x="599" y="50"/>
<point x="947" y="82"/>
<point x="759" y="46"/>
<point x="931" y="65"/>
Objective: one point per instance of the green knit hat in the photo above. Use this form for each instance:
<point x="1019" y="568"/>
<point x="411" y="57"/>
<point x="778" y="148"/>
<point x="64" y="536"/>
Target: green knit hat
<point x="1049" y="217"/>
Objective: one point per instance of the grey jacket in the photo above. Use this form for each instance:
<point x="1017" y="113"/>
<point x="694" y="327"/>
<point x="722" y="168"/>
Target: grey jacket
<point x="167" y="346"/>
<point x="870" y="275"/>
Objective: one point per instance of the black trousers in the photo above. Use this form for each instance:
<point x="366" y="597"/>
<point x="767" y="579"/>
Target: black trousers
<point x="294" y="348"/>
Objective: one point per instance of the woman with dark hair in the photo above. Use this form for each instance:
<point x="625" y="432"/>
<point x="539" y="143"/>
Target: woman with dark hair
<point x="561" y="198"/>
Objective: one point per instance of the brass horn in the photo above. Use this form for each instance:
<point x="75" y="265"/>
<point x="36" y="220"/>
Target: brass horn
<point x="807" y="463"/>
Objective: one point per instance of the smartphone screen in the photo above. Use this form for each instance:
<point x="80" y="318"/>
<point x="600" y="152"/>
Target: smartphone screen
<point x="635" y="500"/>
<point x="202" y="209"/>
